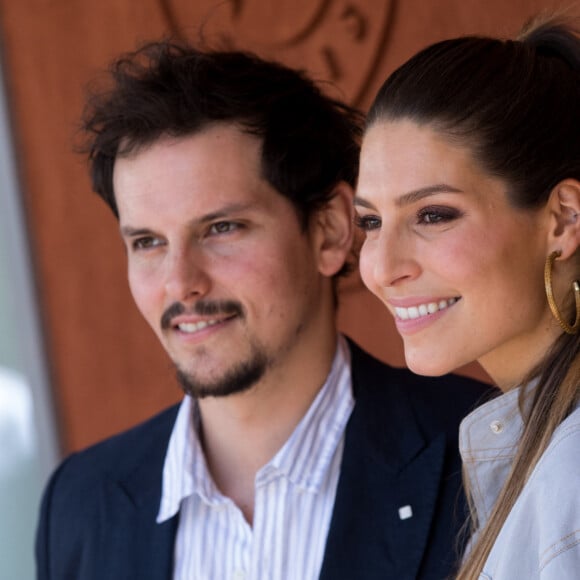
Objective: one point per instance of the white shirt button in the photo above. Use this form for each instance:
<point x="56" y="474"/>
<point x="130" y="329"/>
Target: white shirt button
<point x="496" y="427"/>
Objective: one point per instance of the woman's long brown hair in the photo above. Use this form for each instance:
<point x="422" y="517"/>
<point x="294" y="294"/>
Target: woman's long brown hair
<point x="514" y="103"/>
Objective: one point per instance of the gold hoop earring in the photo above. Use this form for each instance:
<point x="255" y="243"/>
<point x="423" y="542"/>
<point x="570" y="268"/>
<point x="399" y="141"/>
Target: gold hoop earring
<point x="550" y="294"/>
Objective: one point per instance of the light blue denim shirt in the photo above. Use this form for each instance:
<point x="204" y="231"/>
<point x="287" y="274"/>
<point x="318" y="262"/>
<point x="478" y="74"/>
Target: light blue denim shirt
<point x="541" y="536"/>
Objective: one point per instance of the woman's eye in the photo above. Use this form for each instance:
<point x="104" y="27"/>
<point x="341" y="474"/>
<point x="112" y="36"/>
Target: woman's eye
<point x="436" y="215"/>
<point x="367" y="223"/>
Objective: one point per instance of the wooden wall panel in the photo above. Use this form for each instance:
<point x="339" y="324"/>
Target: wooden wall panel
<point x="108" y="370"/>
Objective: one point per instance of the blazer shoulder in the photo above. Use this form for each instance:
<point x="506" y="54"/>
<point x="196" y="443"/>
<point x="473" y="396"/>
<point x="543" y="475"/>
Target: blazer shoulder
<point x="120" y="453"/>
<point x="95" y="489"/>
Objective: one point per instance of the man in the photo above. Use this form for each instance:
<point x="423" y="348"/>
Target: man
<point x="294" y="455"/>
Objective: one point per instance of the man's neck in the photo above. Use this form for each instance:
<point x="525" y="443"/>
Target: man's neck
<point x="243" y="432"/>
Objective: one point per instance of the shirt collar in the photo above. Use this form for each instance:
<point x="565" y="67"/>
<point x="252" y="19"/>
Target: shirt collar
<point x="304" y="459"/>
<point x="185" y="468"/>
<point x="492" y="427"/>
<point x="488" y="441"/>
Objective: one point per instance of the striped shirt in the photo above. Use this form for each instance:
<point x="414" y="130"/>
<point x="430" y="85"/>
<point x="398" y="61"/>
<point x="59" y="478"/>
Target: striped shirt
<point x="294" y="496"/>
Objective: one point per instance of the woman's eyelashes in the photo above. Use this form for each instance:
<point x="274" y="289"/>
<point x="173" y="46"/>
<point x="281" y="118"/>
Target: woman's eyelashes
<point x="367" y="223"/>
<point x="436" y="214"/>
<point x="431" y="215"/>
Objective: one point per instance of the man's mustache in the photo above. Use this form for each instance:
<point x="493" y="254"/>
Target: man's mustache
<point x="201" y="308"/>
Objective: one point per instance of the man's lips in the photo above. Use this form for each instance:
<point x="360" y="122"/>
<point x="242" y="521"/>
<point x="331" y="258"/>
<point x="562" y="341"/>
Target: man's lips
<point x="191" y="327"/>
<point x="201" y="315"/>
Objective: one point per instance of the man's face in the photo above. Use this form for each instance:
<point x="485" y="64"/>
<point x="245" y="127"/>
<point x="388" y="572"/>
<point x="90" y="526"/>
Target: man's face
<point x="218" y="263"/>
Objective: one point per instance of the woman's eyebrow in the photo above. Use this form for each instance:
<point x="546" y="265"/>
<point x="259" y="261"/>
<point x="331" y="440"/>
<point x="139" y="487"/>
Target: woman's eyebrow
<point x="418" y="194"/>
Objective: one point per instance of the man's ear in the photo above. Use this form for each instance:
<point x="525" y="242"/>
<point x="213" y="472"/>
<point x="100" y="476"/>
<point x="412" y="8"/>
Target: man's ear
<point x="333" y="229"/>
<point x="564" y="207"/>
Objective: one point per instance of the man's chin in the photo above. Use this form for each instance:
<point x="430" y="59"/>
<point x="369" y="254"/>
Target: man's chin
<point x="237" y="380"/>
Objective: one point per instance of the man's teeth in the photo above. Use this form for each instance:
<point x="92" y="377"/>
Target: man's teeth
<point x="196" y="326"/>
<point x="423" y="309"/>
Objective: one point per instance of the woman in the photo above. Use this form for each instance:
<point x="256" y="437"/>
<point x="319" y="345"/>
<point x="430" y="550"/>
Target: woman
<point x="469" y="197"/>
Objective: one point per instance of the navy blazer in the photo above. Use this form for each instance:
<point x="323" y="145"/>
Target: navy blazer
<point x="97" y="520"/>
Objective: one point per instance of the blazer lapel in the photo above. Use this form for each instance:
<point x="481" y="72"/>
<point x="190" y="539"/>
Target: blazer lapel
<point x="388" y="485"/>
<point x="134" y="544"/>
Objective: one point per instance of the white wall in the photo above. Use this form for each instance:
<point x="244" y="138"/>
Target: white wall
<point x="28" y="439"/>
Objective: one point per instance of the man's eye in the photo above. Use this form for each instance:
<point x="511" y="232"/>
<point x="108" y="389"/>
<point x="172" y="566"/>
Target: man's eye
<point x="223" y="227"/>
<point x="367" y="223"/>
<point x="145" y="243"/>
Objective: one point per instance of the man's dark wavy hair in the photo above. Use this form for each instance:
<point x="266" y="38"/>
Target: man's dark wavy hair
<point x="310" y="141"/>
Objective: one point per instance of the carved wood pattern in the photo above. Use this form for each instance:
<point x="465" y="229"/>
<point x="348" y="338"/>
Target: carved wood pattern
<point x="334" y="40"/>
<point x="108" y="369"/>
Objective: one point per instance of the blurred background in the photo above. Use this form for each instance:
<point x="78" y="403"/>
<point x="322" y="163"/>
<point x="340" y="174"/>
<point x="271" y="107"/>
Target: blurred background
<point x="77" y="363"/>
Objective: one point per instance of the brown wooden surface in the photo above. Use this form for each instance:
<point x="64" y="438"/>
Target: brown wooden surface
<point x="108" y="370"/>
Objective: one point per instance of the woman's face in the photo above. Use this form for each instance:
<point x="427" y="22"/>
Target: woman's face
<point x="458" y="267"/>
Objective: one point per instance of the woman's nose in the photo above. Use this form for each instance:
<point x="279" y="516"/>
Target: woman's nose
<point x="388" y="261"/>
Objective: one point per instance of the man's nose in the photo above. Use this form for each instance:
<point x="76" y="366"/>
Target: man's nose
<point x="186" y="275"/>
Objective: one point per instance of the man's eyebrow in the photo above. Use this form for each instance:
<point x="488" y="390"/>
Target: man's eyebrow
<point x="422" y="192"/>
<point x="225" y="212"/>
<point x="130" y="232"/>
<point x="222" y="213"/>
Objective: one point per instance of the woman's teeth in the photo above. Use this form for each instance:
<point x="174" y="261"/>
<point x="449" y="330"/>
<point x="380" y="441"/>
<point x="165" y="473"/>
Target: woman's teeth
<point x="423" y="309"/>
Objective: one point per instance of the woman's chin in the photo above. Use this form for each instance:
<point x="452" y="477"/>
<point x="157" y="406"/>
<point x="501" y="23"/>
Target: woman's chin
<point x="430" y="366"/>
